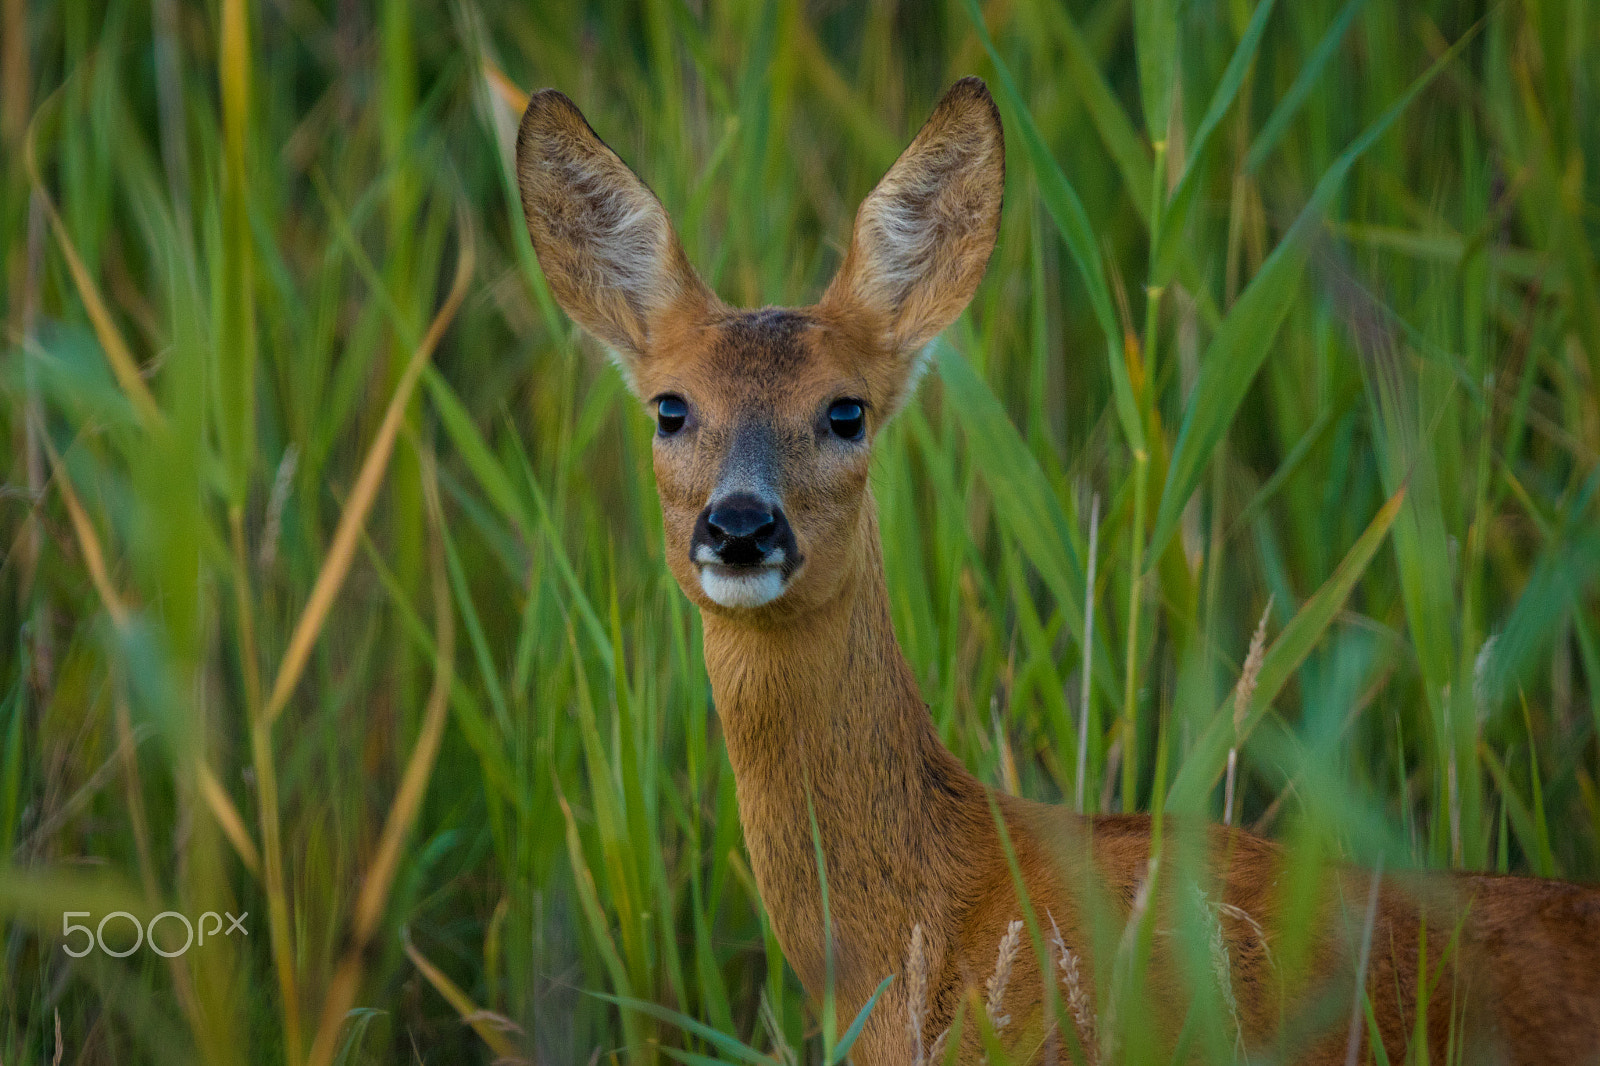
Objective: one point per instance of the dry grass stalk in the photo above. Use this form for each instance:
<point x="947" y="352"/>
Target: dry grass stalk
<point x="917" y="993"/>
<point x="94" y="559"/>
<point x="354" y="516"/>
<point x="1243" y="693"/>
<point x="375" y="887"/>
<point x="1078" y="1003"/>
<point x="492" y="1034"/>
<point x="124" y="367"/>
<point x="509" y="92"/>
<point x="996" y="985"/>
<point x="1241" y="915"/>
<point x="227" y="816"/>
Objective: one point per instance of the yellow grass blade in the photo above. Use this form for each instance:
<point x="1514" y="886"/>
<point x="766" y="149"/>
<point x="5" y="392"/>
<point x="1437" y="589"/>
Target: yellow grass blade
<point x="227" y="816"/>
<point x="505" y="1051"/>
<point x="88" y="542"/>
<point x="348" y="533"/>
<point x="118" y="354"/>
<point x="509" y="92"/>
<point x="413" y="784"/>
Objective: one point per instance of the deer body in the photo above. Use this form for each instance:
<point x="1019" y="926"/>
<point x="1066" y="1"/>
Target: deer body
<point x="765" y="420"/>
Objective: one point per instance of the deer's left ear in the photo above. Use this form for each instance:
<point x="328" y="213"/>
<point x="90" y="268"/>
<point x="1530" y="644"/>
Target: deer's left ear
<point x="923" y="237"/>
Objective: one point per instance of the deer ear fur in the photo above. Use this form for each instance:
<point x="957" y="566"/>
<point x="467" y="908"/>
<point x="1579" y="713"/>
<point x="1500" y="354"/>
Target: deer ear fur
<point x="923" y="237"/>
<point x="604" y="241"/>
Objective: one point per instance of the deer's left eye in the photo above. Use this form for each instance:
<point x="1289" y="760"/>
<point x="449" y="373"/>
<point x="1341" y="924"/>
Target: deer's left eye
<point x="847" y="419"/>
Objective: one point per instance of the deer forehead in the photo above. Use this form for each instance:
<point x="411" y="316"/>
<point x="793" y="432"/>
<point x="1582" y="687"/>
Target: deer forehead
<point x="773" y="365"/>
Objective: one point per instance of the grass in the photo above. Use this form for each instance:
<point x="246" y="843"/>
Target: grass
<point x="331" y="585"/>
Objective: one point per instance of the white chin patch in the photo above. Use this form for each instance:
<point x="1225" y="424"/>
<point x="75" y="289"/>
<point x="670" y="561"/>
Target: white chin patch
<point x="741" y="588"/>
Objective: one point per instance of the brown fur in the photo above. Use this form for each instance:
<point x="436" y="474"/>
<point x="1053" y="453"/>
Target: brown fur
<point x="818" y="705"/>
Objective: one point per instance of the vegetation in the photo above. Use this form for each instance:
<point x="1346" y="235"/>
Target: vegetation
<point x="331" y="586"/>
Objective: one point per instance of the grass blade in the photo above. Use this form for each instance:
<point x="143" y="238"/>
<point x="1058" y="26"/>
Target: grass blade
<point x="1173" y="230"/>
<point x="721" y="1041"/>
<point x="1066" y="210"/>
<point x="1155" y="42"/>
<point x="847" y="1041"/>
<point x="1204" y="764"/>
<point x="494" y="479"/>
<point x="1240" y="346"/>
<point x="1127" y="148"/>
<point x="1029" y="508"/>
<point x="1290" y="103"/>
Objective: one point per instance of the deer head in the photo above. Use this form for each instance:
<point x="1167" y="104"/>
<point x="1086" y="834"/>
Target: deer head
<point x="765" y="419"/>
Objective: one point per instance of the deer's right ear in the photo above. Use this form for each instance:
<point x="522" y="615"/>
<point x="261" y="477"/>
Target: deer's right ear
<point x="604" y="241"/>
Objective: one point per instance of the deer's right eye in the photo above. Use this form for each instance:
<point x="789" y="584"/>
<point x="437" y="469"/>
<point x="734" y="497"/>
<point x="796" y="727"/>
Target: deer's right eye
<point x="671" y="413"/>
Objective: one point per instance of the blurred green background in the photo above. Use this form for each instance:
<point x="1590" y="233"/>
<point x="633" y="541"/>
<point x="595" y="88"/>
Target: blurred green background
<point x="308" y="616"/>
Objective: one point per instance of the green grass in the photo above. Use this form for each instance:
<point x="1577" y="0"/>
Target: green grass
<point x="1342" y="353"/>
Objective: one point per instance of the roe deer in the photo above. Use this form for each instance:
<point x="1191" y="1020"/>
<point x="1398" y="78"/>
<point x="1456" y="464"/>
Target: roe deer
<point x="765" y="421"/>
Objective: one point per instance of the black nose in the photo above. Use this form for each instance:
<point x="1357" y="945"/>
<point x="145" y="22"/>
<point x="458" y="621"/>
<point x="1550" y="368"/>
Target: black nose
<point x="741" y="522"/>
<point x="742" y="530"/>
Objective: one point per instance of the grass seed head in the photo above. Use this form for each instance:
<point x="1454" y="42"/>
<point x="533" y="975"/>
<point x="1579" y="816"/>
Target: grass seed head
<point x="1078" y="1004"/>
<point x="996" y="985"/>
<point x="917" y="992"/>
<point x="1246" y="689"/>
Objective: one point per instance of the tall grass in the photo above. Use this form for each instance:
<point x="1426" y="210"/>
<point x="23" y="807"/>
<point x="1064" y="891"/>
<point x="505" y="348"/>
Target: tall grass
<point x="330" y="565"/>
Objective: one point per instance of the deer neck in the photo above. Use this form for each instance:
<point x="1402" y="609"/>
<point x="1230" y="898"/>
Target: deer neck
<point x="822" y="713"/>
